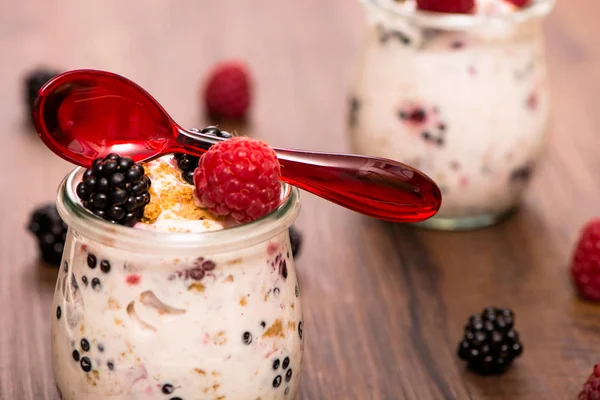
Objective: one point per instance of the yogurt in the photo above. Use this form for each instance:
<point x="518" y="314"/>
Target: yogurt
<point x="464" y="98"/>
<point x="140" y="317"/>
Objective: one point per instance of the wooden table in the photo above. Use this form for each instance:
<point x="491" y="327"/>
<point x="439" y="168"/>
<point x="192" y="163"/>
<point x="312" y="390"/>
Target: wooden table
<point x="384" y="304"/>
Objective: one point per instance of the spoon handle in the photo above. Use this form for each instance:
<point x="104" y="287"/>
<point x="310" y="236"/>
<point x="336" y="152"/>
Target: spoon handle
<point x="375" y="187"/>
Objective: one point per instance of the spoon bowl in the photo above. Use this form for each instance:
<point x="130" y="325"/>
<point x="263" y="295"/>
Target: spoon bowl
<point x="85" y="114"/>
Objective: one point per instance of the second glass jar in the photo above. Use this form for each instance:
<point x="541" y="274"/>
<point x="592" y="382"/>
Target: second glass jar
<point x="463" y="98"/>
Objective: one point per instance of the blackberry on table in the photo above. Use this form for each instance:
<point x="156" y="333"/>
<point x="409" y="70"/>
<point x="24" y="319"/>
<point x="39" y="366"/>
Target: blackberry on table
<point x="188" y="163"/>
<point x="50" y="231"/>
<point x="490" y="343"/>
<point x="296" y="240"/>
<point x="115" y="189"/>
<point x="34" y="81"/>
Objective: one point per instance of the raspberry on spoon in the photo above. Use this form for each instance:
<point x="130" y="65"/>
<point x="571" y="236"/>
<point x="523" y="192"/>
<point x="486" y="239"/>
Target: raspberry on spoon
<point x="447" y="6"/>
<point x="239" y="177"/>
<point x="585" y="268"/>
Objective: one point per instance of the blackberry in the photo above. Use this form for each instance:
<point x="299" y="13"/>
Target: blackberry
<point x="34" y="81"/>
<point x="50" y="231"/>
<point x="188" y="163"/>
<point x="296" y="240"/>
<point x="490" y="343"/>
<point x="115" y="189"/>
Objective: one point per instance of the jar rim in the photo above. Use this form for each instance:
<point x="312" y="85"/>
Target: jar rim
<point x="86" y="223"/>
<point x="449" y="21"/>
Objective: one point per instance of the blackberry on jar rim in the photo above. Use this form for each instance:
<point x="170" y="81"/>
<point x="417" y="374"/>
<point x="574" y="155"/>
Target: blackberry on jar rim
<point x="115" y="188"/>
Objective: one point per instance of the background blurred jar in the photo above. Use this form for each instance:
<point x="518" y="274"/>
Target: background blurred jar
<point x="464" y="98"/>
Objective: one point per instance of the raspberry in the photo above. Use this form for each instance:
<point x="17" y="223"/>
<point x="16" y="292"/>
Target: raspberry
<point x="520" y="3"/>
<point x="585" y="268"/>
<point x="239" y="177"/>
<point x="591" y="389"/>
<point x="227" y="92"/>
<point x="490" y="343"/>
<point x="447" y="6"/>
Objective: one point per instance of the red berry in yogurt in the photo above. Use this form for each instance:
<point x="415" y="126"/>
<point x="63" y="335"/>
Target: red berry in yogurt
<point x="447" y="6"/>
<point x="519" y="3"/>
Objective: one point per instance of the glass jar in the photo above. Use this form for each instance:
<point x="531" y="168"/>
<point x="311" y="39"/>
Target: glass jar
<point x="141" y="314"/>
<point x="464" y="98"/>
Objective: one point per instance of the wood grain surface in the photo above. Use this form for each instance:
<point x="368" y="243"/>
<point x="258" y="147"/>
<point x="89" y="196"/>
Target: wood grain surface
<point x="384" y="304"/>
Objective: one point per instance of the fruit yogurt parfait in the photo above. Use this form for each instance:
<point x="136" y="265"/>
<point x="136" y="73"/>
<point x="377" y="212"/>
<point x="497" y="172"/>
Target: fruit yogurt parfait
<point x="168" y="291"/>
<point x="458" y="89"/>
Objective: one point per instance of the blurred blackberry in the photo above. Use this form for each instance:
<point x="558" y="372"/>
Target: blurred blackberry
<point x="50" y="231"/>
<point x="296" y="240"/>
<point x="115" y="189"/>
<point x="188" y="163"/>
<point x="34" y="81"/>
<point x="490" y="343"/>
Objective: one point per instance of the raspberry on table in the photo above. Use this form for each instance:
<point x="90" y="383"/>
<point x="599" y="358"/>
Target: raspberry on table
<point x="115" y="188"/>
<point x="591" y="388"/>
<point x="50" y="231"/>
<point x="227" y="93"/>
<point x="447" y="6"/>
<point x="585" y="266"/>
<point x="239" y="177"/>
<point x="490" y="343"/>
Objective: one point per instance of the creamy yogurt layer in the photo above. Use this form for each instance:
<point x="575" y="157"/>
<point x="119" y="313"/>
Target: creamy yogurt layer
<point x="172" y="206"/>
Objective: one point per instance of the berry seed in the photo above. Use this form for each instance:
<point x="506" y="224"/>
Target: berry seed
<point x="96" y="285"/>
<point x="91" y="261"/>
<point x="105" y="266"/>
<point x="247" y="338"/>
<point x="86" y="364"/>
<point x="58" y="312"/>
<point x="75" y="355"/>
<point x="167" y="388"/>
<point x="85" y="345"/>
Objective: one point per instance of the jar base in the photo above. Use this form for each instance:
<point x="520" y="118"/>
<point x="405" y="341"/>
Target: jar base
<point x="464" y="223"/>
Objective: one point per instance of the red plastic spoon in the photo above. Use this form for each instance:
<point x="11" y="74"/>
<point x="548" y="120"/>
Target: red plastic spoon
<point x="85" y="114"/>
